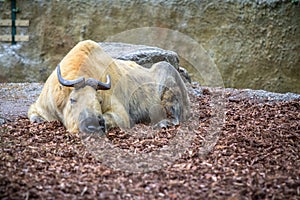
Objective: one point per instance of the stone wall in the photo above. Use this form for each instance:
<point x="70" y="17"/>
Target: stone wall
<point x="255" y="44"/>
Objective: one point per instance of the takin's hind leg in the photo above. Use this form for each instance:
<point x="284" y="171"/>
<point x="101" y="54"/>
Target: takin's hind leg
<point x="172" y="106"/>
<point x="173" y="94"/>
<point x="171" y="102"/>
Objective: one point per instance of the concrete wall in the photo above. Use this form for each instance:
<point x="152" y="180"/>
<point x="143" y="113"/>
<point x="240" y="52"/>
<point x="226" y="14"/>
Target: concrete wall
<point x="255" y="44"/>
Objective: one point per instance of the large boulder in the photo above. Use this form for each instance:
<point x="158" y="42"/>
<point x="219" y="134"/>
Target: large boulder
<point x="144" y="55"/>
<point x="141" y="54"/>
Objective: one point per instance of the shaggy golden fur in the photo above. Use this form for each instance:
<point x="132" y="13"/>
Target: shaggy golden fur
<point x="136" y="95"/>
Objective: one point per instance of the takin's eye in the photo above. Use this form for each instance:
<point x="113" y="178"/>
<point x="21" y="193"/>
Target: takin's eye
<point x="100" y="100"/>
<point x="73" y="101"/>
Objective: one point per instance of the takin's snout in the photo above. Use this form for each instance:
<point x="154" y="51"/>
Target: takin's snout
<point x="89" y="122"/>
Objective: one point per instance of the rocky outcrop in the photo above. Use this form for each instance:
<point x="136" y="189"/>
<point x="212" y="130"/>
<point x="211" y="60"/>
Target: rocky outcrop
<point x="255" y="44"/>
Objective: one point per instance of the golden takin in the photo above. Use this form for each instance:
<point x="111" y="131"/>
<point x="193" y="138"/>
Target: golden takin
<point x="92" y="93"/>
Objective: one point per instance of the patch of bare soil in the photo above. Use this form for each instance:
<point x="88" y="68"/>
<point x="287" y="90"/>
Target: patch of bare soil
<point x="15" y="98"/>
<point x="257" y="156"/>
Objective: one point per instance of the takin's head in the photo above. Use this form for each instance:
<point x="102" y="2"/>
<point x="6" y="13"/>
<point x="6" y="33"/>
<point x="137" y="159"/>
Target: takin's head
<point x="83" y="108"/>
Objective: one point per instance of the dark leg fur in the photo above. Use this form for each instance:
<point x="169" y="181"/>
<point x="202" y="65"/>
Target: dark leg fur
<point x="173" y="94"/>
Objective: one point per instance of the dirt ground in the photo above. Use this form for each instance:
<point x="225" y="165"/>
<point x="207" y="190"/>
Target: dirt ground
<point x="252" y="152"/>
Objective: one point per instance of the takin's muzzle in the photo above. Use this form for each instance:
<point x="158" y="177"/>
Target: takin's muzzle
<point x="89" y="122"/>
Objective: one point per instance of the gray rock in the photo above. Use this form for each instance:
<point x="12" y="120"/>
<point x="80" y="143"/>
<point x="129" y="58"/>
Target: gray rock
<point x="237" y="95"/>
<point x="145" y="56"/>
<point x="141" y="54"/>
<point x="2" y="120"/>
<point x="262" y="95"/>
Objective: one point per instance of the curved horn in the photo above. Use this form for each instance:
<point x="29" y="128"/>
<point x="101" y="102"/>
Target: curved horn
<point x="68" y="83"/>
<point x="104" y="86"/>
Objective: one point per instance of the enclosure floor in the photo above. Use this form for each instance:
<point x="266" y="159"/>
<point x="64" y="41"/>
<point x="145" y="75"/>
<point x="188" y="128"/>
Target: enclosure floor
<point x="254" y="154"/>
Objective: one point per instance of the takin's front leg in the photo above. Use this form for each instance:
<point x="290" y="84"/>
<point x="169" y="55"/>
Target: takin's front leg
<point x="33" y="114"/>
<point x="117" y="116"/>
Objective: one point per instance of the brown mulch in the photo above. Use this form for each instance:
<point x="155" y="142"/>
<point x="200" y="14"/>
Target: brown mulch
<point x="255" y="155"/>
